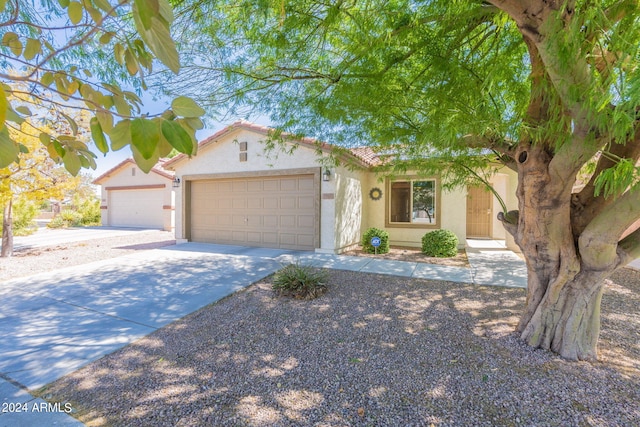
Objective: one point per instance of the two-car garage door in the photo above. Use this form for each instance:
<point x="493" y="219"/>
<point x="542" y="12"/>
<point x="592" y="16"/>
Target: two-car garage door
<point x="276" y="212"/>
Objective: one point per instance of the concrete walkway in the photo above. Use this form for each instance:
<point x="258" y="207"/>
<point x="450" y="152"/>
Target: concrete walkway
<point x="54" y="323"/>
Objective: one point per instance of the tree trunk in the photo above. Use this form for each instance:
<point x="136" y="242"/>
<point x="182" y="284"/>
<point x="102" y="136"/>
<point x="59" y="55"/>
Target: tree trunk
<point x="567" y="319"/>
<point x="7" y="231"/>
<point x="562" y="311"/>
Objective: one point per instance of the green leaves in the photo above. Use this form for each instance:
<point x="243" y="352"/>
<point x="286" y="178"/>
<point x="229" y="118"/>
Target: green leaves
<point x="74" y="11"/>
<point x="33" y="48"/>
<point x="177" y="136"/>
<point x="618" y="178"/>
<point x="12" y="40"/>
<point x="4" y="104"/>
<point x="152" y="22"/>
<point x="98" y="135"/>
<point x="187" y="107"/>
<point x="144" y="136"/>
<point x="102" y="35"/>
<point x="9" y="150"/>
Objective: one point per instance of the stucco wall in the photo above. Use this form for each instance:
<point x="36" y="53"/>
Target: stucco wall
<point x="223" y="157"/>
<point x="348" y="207"/>
<point x="124" y="177"/>
<point x="509" y="187"/>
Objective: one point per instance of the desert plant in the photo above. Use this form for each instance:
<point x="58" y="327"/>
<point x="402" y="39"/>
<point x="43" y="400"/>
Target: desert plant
<point x="301" y="282"/>
<point x="375" y="232"/>
<point x="440" y="243"/>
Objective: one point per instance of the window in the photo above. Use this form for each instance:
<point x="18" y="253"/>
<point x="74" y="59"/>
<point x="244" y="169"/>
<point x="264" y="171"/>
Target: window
<point x="413" y="202"/>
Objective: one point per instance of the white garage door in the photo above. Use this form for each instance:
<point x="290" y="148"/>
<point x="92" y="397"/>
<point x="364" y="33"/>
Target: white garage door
<point x="275" y="212"/>
<point x="136" y="208"/>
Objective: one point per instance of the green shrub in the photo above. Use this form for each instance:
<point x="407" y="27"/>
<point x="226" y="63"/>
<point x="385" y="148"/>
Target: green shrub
<point x="301" y="282"/>
<point x="66" y="218"/>
<point x="440" y="243"/>
<point x="71" y="217"/>
<point x="89" y="210"/>
<point x="23" y="214"/>
<point x="384" y="240"/>
<point x="57" y="222"/>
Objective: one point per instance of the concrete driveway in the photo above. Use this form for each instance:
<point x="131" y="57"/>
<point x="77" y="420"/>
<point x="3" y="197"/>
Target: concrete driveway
<point x="54" y="323"/>
<point x="59" y="236"/>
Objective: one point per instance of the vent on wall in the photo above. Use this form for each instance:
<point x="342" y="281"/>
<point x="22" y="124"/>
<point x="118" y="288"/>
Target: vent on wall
<point x="243" y="151"/>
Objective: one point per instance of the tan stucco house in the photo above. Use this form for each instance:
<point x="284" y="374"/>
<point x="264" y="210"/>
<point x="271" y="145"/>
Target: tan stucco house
<point x="236" y="191"/>
<point x="131" y="198"/>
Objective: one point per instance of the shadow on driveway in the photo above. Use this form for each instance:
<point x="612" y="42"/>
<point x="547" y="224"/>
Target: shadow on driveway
<point x="54" y="323"/>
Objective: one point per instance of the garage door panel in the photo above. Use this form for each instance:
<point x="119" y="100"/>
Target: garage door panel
<point x="306" y="221"/>
<point x="271" y="211"/>
<point x="287" y="202"/>
<point x="254" y="203"/>
<point x="287" y="221"/>
<point x="271" y="185"/>
<point x="305" y="183"/>
<point x="270" y="239"/>
<point x="239" y="203"/>
<point x="306" y="203"/>
<point x="270" y="221"/>
<point x="254" y="185"/>
<point x="288" y="239"/>
<point x="305" y="240"/>
<point x="271" y="203"/>
<point x="254" y="237"/>
<point x="136" y="208"/>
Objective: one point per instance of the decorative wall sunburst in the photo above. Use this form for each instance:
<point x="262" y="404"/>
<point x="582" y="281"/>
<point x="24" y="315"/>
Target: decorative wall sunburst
<point x="375" y="193"/>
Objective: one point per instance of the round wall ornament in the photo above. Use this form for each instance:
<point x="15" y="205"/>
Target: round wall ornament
<point x="375" y="193"/>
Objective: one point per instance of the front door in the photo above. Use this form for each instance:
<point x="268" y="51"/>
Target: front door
<point x="479" y="202"/>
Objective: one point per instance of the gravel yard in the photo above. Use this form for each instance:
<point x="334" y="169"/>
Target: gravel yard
<point x="373" y="351"/>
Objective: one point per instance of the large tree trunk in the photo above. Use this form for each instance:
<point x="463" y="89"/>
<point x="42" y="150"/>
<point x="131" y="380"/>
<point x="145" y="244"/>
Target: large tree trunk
<point x="7" y="231"/>
<point x="566" y="320"/>
<point x="562" y="311"/>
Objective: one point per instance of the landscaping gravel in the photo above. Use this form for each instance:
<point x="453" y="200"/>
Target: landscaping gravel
<point x="373" y="351"/>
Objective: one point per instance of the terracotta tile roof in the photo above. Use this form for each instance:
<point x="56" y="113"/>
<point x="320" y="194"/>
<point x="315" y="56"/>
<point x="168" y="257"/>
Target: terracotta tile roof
<point x="364" y="154"/>
<point x="158" y="168"/>
<point x="367" y="155"/>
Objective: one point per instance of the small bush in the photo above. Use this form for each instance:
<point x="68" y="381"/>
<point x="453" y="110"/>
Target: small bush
<point x="384" y="241"/>
<point x="89" y="210"/>
<point x="302" y="282"/>
<point x="66" y="218"/>
<point x="24" y="212"/>
<point x="57" y="222"/>
<point x="440" y="243"/>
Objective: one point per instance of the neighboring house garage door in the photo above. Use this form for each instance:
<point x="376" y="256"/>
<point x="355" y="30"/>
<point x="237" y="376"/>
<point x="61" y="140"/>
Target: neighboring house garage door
<point x="136" y="208"/>
<point x="275" y="212"/>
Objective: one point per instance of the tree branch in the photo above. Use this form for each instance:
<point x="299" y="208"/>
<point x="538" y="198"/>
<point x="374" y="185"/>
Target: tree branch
<point x="629" y="248"/>
<point x="598" y="243"/>
<point x="585" y="205"/>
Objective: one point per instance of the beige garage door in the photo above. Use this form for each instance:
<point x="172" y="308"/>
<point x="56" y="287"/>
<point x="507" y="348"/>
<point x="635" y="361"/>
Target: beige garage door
<point x="136" y="208"/>
<point x="275" y="212"/>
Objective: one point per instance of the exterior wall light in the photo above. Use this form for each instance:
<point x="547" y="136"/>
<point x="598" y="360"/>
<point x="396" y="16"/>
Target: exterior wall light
<point x="176" y="182"/>
<point x="326" y="175"/>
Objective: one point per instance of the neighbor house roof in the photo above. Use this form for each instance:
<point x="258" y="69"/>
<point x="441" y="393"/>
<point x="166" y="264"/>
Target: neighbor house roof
<point x="365" y="154"/>
<point x="158" y="168"/>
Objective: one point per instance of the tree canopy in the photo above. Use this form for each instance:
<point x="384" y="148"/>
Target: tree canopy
<point x="550" y="89"/>
<point x="91" y="55"/>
